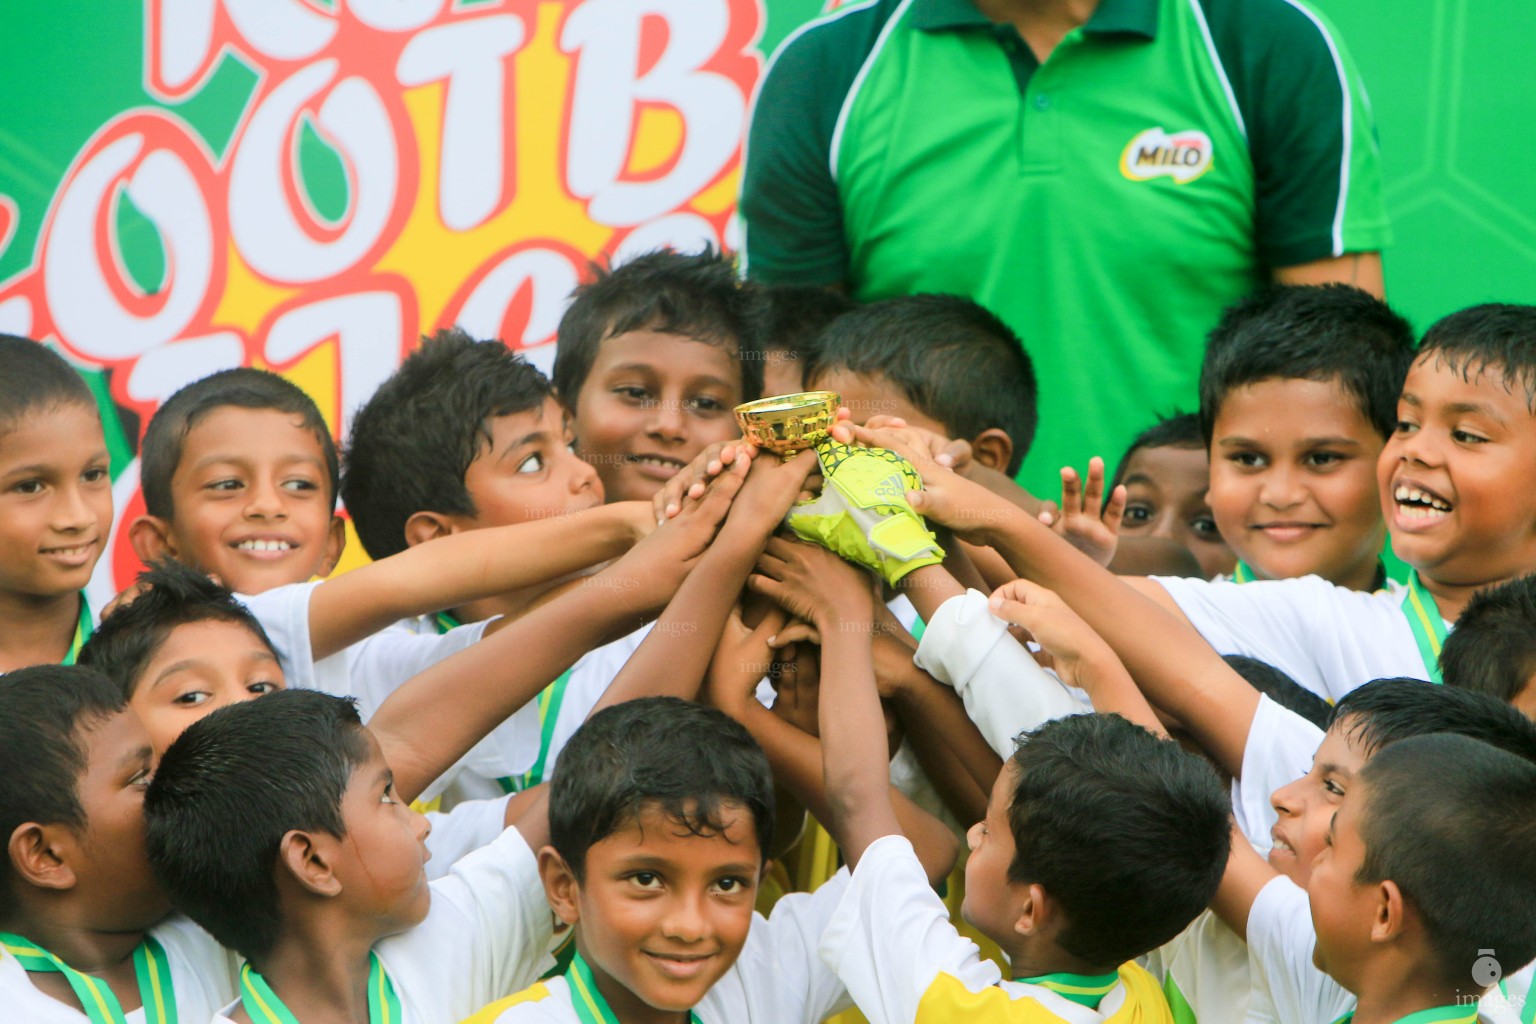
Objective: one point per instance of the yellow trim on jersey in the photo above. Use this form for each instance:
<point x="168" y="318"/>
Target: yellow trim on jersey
<point x="534" y="993"/>
<point x="948" y="1001"/>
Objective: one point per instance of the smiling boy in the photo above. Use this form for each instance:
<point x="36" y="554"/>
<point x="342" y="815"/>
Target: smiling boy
<point x="55" y="505"/>
<point x="1297" y="394"/>
<point x="653" y="357"/>
<point x="239" y="478"/>
<point x="660" y="816"/>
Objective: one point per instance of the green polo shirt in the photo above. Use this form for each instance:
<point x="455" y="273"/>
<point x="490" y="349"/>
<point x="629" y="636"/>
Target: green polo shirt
<point x="1107" y="204"/>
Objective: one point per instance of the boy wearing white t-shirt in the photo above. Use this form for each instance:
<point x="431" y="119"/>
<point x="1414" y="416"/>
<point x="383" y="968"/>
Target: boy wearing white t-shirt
<point x="275" y="825"/>
<point x="82" y="923"/>
<point x="660" y="819"/>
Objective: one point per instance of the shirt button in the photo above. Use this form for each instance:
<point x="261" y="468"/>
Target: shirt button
<point x="1042" y="102"/>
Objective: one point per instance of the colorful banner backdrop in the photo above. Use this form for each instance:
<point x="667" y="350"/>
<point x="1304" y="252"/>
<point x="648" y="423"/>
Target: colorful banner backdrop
<point x="190" y="185"/>
<point x="308" y="185"/>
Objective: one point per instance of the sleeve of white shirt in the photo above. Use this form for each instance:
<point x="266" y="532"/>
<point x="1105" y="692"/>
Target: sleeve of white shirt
<point x="284" y="615"/>
<point x="379" y="664"/>
<point x="458" y="833"/>
<point x="486" y="934"/>
<point x="1005" y="691"/>
<point x="1279" y="751"/>
<point x="1280" y="941"/>
<point x="780" y="977"/>
<point x="891" y="936"/>
<point x="1328" y="639"/>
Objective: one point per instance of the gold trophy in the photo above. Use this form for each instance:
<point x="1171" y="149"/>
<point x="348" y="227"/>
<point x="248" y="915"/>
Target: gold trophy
<point x="789" y="424"/>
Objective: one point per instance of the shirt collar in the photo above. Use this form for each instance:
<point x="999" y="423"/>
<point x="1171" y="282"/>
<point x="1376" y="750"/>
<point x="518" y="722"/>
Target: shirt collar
<point x="1111" y="17"/>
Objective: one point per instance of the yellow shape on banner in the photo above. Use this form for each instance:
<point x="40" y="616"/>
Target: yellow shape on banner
<point x="720" y="196"/>
<point x="246" y="298"/>
<point x="438" y="259"/>
<point x="658" y="138"/>
<point x="317" y="374"/>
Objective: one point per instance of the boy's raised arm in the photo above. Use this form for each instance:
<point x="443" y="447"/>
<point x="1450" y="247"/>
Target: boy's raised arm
<point x="451" y="571"/>
<point x="853" y="739"/>
<point x="1176" y="669"/>
<point x="436" y="716"/>
<point x="674" y="658"/>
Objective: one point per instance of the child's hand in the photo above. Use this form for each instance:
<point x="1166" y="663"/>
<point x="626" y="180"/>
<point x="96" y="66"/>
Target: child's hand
<point x="742" y="658"/>
<point x="796" y="679"/>
<point x="690" y="481"/>
<point x="637" y="517"/>
<point x="813" y="584"/>
<point x="772" y="486"/>
<point x="952" y="452"/>
<point x="656" y="566"/>
<point x="947" y="498"/>
<point x="1089" y="523"/>
<point x="1071" y="643"/>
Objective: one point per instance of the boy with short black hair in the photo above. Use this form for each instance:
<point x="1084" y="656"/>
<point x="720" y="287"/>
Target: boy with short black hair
<point x="1298" y="392"/>
<point x="653" y="355"/>
<point x="1492" y="650"/>
<point x="275" y="825"/>
<point x="55" y="505"/>
<point x="791" y="324"/>
<point x="1430" y="865"/>
<point x="1166" y="473"/>
<point x="221" y="655"/>
<point x="412" y="444"/>
<point x="660" y="818"/>
<point x="940" y="362"/>
<point x="84" y="924"/>
<point x="199" y="470"/>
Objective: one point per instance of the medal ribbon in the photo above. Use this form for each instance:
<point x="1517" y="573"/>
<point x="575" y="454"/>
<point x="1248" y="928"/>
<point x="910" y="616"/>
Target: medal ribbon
<point x="590" y="1006"/>
<point x="549" y="700"/>
<point x="82" y="632"/>
<point x="1243" y="573"/>
<point x="150" y="966"/>
<point x="263" y="1006"/>
<point x="1428" y="627"/>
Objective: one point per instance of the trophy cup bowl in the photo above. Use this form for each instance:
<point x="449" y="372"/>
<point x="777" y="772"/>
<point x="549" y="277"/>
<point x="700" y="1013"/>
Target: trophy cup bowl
<point x="789" y="424"/>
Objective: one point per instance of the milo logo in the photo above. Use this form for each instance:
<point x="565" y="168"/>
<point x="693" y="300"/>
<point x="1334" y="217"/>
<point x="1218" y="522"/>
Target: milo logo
<point x="1182" y="156"/>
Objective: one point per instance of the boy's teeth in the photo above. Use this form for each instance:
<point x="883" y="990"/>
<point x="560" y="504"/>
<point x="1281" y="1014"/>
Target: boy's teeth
<point x="1404" y="493"/>
<point x="264" y="545"/>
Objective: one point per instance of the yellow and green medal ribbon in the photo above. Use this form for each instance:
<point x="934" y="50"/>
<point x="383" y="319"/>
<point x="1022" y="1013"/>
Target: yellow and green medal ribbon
<point x="82" y="632"/>
<point x="1243" y="573"/>
<point x="550" y="699"/>
<point x="1428" y="627"/>
<point x="263" y="1007"/>
<point x="590" y="1006"/>
<point x="1084" y="989"/>
<point x="150" y="967"/>
<point x="1434" y="1015"/>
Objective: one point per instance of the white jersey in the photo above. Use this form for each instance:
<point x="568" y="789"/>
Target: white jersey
<point x="488" y="932"/>
<point x="1329" y="639"/>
